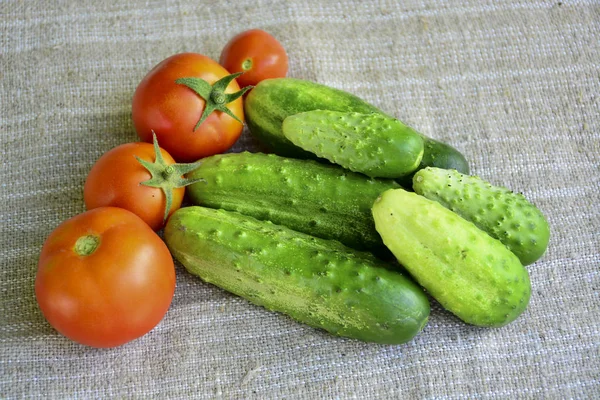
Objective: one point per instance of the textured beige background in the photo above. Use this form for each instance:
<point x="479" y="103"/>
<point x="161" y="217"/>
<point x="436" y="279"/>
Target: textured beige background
<point x="512" y="84"/>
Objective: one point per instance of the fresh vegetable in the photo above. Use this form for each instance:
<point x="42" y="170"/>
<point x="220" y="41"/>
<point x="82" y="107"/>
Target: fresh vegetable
<point x="504" y="215"/>
<point x="257" y="54"/>
<point x="273" y="100"/>
<point x="467" y="271"/>
<point x="373" y="144"/>
<point x="193" y="105"/>
<point x="322" y="200"/>
<point x="439" y="155"/>
<point x="318" y="282"/>
<point x="139" y="177"/>
<point x="104" y="278"/>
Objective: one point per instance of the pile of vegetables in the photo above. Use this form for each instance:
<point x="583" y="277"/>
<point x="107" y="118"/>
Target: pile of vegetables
<point x="349" y="221"/>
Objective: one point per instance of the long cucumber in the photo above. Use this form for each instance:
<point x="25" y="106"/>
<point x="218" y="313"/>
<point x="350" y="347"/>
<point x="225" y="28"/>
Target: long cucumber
<point x="318" y="282"/>
<point x="271" y="101"/>
<point x="321" y="200"/>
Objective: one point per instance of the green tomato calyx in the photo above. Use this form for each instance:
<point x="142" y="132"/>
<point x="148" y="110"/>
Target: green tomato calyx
<point x="167" y="177"/>
<point x="218" y="98"/>
<point x="247" y="64"/>
<point x="214" y="96"/>
<point x="86" y="245"/>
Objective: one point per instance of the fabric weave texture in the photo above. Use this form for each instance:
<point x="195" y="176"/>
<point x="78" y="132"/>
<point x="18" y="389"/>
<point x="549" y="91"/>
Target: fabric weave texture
<point x="513" y="84"/>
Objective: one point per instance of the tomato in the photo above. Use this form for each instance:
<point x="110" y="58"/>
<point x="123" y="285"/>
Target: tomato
<point x="257" y="54"/>
<point x="140" y="177"/>
<point x="173" y="109"/>
<point x="104" y="278"/>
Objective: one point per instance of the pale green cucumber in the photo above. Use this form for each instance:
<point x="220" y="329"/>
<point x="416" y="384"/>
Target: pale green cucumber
<point x="503" y="214"/>
<point x="467" y="271"/>
<point x="372" y="144"/>
<point x="315" y="281"/>
<point x="322" y="200"/>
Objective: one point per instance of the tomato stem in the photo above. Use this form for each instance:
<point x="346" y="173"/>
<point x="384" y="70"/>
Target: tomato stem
<point x="218" y="98"/>
<point x="214" y="96"/>
<point x="168" y="172"/>
<point x="86" y="245"/>
<point x="167" y="177"/>
<point x="247" y="64"/>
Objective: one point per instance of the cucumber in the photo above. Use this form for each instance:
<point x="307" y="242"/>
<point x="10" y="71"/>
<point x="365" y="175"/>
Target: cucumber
<point x="467" y="271"/>
<point x="439" y="155"/>
<point x="372" y="144"/>
<point x="271" y="101"/>
<point x="322" y="200"/>
<point x="315" y="281"/>
<point x="504" y="215"/>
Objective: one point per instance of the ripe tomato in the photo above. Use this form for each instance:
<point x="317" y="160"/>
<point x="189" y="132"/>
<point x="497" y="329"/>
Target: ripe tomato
<point x="172" y="109"/>
<point x="256" y="53"/>
<point x="139" y="177"/>
<point x="104" y="278"/>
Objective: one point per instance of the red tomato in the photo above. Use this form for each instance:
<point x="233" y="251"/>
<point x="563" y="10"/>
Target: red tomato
<point x="104" y="278"/>
<point x="256" y="53"/>
<point x="118" y="179"/>
<point x="172" y="109"/>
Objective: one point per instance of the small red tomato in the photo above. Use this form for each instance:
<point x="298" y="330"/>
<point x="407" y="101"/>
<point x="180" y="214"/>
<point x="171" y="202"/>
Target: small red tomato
<point x="192" y="104"/>
<point x="257" y="54"/>
<point x="104" y="278"/>
<point x="139" y="177"/>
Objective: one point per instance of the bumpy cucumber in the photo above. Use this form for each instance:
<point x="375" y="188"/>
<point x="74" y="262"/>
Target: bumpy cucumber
<point x="322" y="200"/>
<point x="271" y="101"/>
<point x="315" y="281"/>
<point x="467" y="271"/>
<point x="504" y="215"/>
<point x="373" y="144"/>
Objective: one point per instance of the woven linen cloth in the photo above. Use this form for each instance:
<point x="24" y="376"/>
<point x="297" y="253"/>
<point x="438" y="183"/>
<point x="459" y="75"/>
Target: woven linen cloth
<point x="513" y="84"/>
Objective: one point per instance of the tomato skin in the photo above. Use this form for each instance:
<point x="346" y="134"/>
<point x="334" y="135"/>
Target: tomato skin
<point x="259" y="49"/>
<point x="114" y="295"/>
<point x="115" y="180"/>
<point x="172" y="110"/>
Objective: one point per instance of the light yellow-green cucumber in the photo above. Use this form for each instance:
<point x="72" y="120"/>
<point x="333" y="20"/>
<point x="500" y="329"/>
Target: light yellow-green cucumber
<point x="468" y="272"/>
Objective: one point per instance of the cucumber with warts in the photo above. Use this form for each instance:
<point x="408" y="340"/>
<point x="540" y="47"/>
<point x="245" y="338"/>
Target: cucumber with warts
<point x="503" y="214"/>
<point x="468" y="272"/>
<point x="319" y="199"/>
<point x="271" y="101"/>
<point x="373" y="144"/>
<point x="318" y="282"/>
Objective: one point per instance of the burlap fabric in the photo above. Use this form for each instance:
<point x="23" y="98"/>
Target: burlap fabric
<point x="513" y="84"/>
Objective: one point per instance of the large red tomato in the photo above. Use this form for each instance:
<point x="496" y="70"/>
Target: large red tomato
<point x="166" y="103"/>
<point x="104" y="278"/>
<point x="257" y="54"/>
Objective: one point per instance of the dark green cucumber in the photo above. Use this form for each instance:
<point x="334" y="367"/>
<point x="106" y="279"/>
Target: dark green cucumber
<point x="322" y="200"/>
<point x="273" y="100"/>
<point x="503" y="214"/>
<point x="467" y="271"/>
<point x="440" y="155"/>
<point x="373" y="144"/>
<point x="317" y="282"/>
